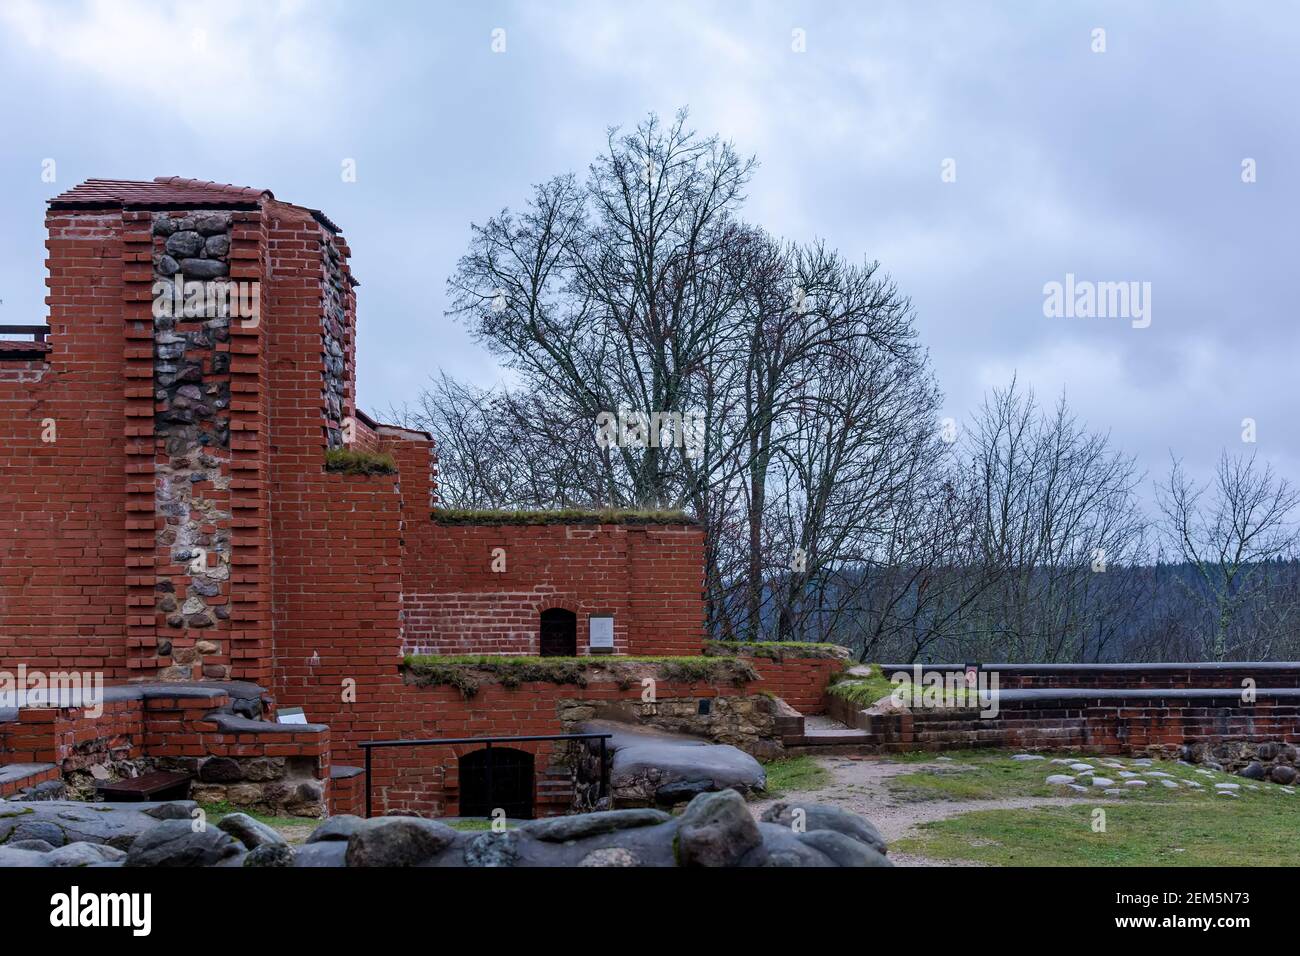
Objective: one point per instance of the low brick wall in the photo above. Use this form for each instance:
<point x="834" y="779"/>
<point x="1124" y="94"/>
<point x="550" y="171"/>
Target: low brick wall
<point x="800" y="682"/>
<point x="1166" y="723"/>
<point x="1193" y="675"/>
<point x="254" y="765"/>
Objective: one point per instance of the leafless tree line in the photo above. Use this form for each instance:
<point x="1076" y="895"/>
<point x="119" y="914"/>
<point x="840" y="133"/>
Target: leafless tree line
<point x="836" y="505"/>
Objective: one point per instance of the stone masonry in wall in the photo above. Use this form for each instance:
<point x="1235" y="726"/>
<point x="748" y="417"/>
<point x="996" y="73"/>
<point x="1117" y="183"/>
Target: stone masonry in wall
<point x="192" y="428"/>
<point x="335" y="330"/>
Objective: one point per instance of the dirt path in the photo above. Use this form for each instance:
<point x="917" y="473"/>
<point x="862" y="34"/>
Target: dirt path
<point x="860" y="785"/>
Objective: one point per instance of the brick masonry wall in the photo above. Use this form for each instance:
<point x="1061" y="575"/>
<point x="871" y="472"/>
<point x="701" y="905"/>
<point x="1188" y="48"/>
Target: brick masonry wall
<point x="1157" y="725"/>
<point x="800" y="682"/>
<point x="426" y="780"/>
<point x="63" y="575"/>
<point x="648" y="577"/>
<point x="1125" y="676"/>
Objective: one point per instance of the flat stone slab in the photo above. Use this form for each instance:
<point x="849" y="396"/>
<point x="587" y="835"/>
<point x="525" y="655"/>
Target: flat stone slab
<point x="645" y="760"/>
<point x="20" y="771"/>
<point x="114" y="824"/>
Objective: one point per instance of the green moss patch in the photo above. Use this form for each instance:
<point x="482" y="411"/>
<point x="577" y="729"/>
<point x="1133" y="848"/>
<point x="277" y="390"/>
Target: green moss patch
<point x="348" y="462"/>
<point x="560" y="516"/>
<point x="467" y="672"/>
<point x="864" y="690"/>
<point x="776" y="650"/>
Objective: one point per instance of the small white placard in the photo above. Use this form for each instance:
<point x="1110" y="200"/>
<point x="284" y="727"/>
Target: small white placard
<point x="290" y="715"/>
<point x="602" y="631"/>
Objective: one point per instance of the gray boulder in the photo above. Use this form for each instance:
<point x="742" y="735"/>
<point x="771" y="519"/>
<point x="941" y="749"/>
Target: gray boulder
<point x="398" y="841"/>
<point x="781" y="847"/>
<point x="842" y="850"/>
<point x="84" y="854"/>
<point x="340" y="827"/>
<point x="646" y="761"/>
<point x="252" y="833"/>
<point x="325" y="853"/>
<point x="1252" y="771"/>
<point x="493" y="849"/>
<point x="579" y="826"/>
<point x="716" y="829"/>
<point x="36" y="846"/>
<point x="271" y="854"/>
<point x="45" y="830"/>
<point x="16" y="858"/>
<point x="181" y="245"/>
<point x="818" y="817"/>
<point x="176" y="843"/>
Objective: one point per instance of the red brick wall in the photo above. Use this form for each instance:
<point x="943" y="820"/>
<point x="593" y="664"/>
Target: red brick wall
<point x="649" y="577"/>
<point x="425" y="779"/>
<point x="1139" y="726"/>
<point x="63" y="519"/>
<point x="800" y="682"/>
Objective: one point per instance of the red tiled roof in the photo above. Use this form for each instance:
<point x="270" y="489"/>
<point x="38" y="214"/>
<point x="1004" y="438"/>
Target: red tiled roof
<point x="21" y="345"/>
<point x="163" y="191"/>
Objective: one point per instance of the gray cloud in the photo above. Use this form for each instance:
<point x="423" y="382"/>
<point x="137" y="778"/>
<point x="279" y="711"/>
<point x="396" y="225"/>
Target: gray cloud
<point x="1123" y="165"/>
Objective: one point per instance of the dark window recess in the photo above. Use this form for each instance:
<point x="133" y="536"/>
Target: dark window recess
<point x="497" y="777"/>
<point x="706" y="706"/>
<point x="559" y="633"/>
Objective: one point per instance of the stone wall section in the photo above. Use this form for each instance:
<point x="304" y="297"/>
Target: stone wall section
<point x="192" y="424"/>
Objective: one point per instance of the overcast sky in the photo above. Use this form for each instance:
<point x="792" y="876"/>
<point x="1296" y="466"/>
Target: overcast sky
<point x="1115" y="166"/>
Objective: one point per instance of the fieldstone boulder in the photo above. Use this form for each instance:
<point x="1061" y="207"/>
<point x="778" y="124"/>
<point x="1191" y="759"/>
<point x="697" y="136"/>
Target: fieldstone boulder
<point x="252" y="833"/>
<point x="1282" y="774"/>
<point x="115" y="824"/>
<point x="842" y="850"/>
<point x="325" y="853"/>
<point x="398" y="841"/>
<point x="1252" y="771"/>
<point x="271" y="854"/>
<point x="651" y="766"/>
<point x="579" y="826"/>
<point x="84" y="854"/>
<point x="15" y="858"/>
<point x="177" y="843"/>
<point x="717" y="829"/>
<point x="43" y="830"/>
<point x="340" y="828"/>
<point x="182" y="245"/>
<point x="38" y="846"/>
<point x="816" y="817"/>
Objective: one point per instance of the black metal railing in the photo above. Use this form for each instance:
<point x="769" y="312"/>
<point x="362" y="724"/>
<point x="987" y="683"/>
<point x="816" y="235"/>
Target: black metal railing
<point x="31" y="346"/>
<point x="370" y="745"/>
<point x="37" y="332"/>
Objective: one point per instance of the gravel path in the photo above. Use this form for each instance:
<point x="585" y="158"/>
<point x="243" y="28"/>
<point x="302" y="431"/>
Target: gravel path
<point x="860" y="785"/>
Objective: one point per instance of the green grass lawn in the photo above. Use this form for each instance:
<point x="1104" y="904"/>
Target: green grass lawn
<point x="1151" y="826"/>
<point x="794" y="775"/>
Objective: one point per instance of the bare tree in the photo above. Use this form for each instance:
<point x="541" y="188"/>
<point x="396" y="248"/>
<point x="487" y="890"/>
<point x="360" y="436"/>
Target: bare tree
<point x="1235" y="532"/>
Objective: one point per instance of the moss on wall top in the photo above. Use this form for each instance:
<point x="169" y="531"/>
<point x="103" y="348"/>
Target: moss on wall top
<point x="776" y="650"/>
<point x="349" y="462"/>
<point x="467" y="672"/>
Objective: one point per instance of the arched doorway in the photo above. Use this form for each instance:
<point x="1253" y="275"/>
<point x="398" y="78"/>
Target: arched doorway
<point x="559" y="633"/>
<point x="497" y="777"/>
